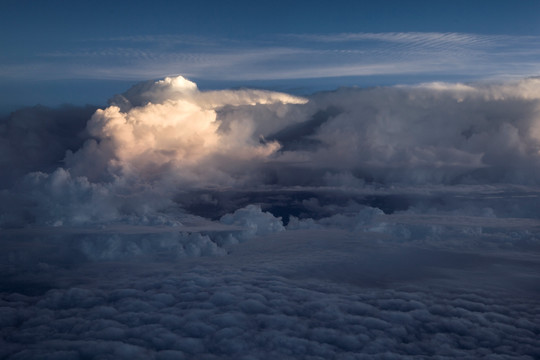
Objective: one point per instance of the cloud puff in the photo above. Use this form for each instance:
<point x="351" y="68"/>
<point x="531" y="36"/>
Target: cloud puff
<point x="253" y="221"/>
<point x="170" y="129"/>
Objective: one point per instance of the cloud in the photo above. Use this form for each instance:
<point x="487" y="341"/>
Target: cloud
<point x="170" y="129"/>
<point x="379" y="223"/>
<point x="254" y="221"/>
<point x="286" y="57"/>
<point x="305" y="296"/>
<point x="36" y="139"/>
<point x="430" y="133"/>
<point x="161" y="145"/>
<point x="151" y="141"/>
<point x="427" y="38"/>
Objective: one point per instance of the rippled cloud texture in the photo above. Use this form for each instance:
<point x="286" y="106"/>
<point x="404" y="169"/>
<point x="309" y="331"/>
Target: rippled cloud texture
<point x="378" y="222"/>
<point x="292" y="56"/>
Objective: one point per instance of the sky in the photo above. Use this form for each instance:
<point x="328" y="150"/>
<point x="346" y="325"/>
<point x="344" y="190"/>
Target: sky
<point x="84" y="52"/>
<point x="251" y="180"/>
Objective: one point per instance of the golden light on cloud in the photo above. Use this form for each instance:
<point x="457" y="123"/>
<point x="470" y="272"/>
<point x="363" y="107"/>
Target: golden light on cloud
<point x="176" y="127"/>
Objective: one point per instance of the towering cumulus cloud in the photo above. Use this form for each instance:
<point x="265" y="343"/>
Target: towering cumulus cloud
<point x="170" y="129"/>
<point x="145" y="155"/>
<point x="155" y="140"/>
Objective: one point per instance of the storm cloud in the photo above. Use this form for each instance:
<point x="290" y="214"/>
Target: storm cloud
<point x="161" y="140"/>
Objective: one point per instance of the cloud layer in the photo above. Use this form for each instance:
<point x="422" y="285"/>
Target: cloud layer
<point x="311" y="295"/>
<point x="292" y="56"/>
<point x="237" y="224"/>
<point x="163" y="146"/>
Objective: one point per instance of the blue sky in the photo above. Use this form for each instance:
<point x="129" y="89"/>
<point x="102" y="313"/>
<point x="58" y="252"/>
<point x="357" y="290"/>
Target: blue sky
<point x="85" y="51"/>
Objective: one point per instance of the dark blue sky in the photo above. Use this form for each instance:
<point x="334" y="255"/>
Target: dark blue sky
<point x="85" y="51"/>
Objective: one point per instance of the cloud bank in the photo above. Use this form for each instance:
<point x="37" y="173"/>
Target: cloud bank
<point x="158" y="147"/>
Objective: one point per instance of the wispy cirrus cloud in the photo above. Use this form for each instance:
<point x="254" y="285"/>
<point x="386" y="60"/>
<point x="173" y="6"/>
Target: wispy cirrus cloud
<point x="289" y="56"/>
<point x="426" y="38"/>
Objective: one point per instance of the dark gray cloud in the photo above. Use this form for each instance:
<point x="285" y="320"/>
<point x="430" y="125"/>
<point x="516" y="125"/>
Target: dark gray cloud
<point x="37" y="138"/>
<point x="299" y="136"/>
<point x="311" y="295"/>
